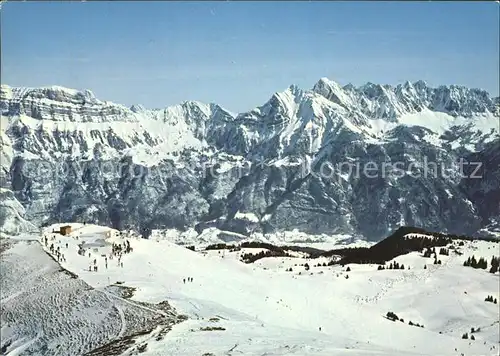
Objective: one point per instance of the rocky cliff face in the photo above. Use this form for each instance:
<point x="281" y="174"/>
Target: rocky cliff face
<point x="344" y="160"/>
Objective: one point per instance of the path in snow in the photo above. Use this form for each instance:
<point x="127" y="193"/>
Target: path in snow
<point x="45" y="311"/>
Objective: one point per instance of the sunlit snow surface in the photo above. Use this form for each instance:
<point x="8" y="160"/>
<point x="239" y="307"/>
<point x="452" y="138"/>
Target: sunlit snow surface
<point x="264" y="309"/>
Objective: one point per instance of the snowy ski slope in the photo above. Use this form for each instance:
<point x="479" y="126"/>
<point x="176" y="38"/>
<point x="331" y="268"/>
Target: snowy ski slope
<point x="263" y="309"/>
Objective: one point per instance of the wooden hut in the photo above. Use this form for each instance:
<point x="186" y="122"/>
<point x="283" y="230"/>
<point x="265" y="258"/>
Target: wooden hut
<point x="65" y="230"/>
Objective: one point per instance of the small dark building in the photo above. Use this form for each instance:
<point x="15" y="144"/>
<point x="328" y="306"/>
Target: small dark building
<point x="65" y="230"/>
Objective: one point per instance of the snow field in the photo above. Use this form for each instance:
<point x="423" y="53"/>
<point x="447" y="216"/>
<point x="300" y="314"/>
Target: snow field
<point x="349" y="311"/>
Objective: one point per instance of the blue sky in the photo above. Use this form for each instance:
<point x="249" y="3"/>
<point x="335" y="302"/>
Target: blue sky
<point x="238" y="54"/>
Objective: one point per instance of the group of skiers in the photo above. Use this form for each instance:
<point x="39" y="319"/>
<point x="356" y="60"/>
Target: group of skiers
<point x="189" y="279"/>
<point x="95" y="265"/>
<point x="53" y="250"/>
<point x="117" y="250"/>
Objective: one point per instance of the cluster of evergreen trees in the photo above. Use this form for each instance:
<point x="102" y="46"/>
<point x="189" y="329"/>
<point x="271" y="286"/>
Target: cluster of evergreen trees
<point x="444" y="251"/>
<point x="251" y="257"/>
<point x="257" y="244"/>
<point x="395" y="265"/>
<point x="272" y="250"/>
<point x="495" y="264"/>
<point x="472" y="262"/>
<point x="429" y="252"/>
<point x="411" y="323"/>
<point x="404" y="240"/>
<point x="399" y="243"/>
<point x="220" y="246"/>
<point x="393" y="317"/>
<point x="466" y="336"/>
<point x="321" y="264"/>
<point x="277" y="250"/>
<point x="440" y="235"/>
<point x="491" y="299"/>
<point x="307" y="267"/>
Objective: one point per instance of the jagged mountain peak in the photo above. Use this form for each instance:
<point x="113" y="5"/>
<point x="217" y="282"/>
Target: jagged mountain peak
<point x="374" y="91"/>
<point x="137" y="108"/>
<point x="377" y="101"/>
<point x="294" y="89"/>
<point x="326" y="85"/>
<point x="332" y="91"/>
<point x="407" y="87"/>
<point x="349" y="87"/>
<point x="421" y="84"/>
<point x="293" y="93"/>
<point x="53" y="92"/>
<point x="326" y="82"/>
<point x="280" y="103"/>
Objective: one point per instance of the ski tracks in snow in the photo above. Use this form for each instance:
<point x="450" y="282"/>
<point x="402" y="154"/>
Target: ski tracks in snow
<point x="404" y="277"/>
<point x="123" y="328"/>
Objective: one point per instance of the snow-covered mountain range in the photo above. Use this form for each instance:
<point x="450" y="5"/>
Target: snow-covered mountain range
<point x="68" y="156"/>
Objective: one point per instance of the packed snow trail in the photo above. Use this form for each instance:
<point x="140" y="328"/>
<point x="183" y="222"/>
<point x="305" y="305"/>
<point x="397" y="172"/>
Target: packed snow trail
<point x="45" y="311"/>
<point x="123" y="328"/>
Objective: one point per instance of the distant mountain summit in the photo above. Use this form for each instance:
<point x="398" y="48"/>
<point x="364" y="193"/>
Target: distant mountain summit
<point x="68" y="156"/>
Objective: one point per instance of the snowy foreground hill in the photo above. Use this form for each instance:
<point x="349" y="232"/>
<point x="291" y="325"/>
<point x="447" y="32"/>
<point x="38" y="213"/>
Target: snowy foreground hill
<point x="163" y="299"/>
<point x="68" y="156"/>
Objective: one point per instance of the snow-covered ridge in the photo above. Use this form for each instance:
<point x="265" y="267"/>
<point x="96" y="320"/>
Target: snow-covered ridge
<point x="57" y="122"/>
<point x="60" y="104"/>
<point x="293" y="121"/>
<point x="387" y="102"/>
<point x="64" y="104"/>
